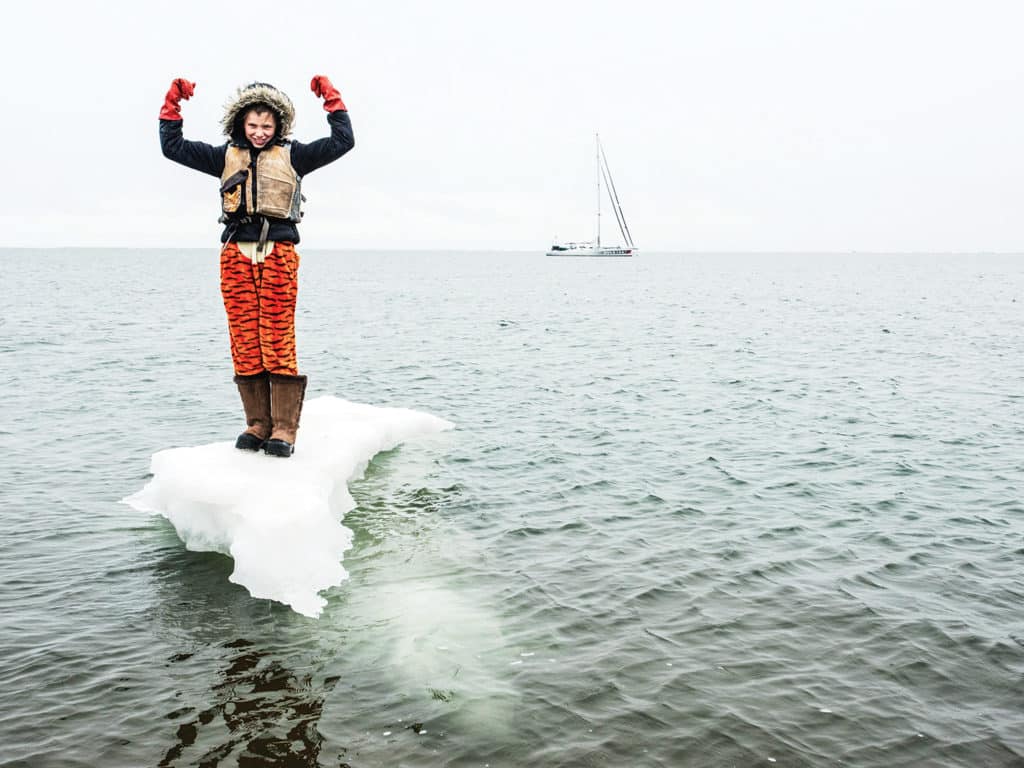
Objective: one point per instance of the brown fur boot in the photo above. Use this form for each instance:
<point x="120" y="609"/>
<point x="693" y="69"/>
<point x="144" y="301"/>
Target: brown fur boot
<point x="255" y="392"/>
<point x="286" y="396"/>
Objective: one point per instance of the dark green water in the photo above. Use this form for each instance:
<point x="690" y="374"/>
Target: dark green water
<point x="697" y="510"/>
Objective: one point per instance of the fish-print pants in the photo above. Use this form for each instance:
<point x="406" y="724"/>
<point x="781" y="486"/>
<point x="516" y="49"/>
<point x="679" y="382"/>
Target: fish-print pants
<point x="260" y="302"/>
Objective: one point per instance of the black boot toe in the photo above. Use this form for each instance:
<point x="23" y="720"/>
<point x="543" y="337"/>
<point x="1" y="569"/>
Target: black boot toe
<point x="248" y="442"/>
<point x="276" y="447"/>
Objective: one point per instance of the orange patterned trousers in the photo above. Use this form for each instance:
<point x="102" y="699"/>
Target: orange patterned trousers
<point x="260" y="302"/>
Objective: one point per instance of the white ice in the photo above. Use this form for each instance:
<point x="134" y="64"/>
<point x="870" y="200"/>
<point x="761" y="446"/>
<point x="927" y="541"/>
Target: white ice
<point x="279" y="519"/>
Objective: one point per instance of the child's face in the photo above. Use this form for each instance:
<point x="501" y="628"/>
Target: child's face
<point x="259" y="127"/>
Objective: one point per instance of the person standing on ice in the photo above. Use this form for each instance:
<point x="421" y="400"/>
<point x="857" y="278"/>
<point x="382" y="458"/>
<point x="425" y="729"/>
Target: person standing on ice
<point x="260" y="171"/>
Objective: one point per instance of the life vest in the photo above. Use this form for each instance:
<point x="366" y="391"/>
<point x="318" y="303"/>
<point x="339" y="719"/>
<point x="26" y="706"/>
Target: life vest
<point x="277" y="187"/>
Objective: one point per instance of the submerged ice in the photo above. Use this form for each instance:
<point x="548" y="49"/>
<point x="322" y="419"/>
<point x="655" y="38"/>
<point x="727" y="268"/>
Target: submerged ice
<point x="279" y="519"/>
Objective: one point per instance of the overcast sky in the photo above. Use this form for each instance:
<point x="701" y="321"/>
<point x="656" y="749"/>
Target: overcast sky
<point x="734" y="125"/>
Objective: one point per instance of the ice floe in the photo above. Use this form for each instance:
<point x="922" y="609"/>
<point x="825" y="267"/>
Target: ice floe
<point x="280" y="520"/>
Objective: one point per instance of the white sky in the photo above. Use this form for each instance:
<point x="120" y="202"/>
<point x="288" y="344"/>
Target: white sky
<point x="733" y="125"/>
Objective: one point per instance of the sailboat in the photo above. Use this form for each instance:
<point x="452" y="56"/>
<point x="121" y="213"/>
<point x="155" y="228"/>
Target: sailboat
<point x="594" y="247"/>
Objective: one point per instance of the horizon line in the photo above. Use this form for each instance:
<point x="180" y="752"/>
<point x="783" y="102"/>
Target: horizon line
<point x="657" y="251"/>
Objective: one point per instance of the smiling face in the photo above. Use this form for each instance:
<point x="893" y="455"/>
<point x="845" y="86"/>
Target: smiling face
<point x="259" y="127"/>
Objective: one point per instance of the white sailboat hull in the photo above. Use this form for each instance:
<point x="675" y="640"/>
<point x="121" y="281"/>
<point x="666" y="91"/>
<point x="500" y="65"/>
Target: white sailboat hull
<point x="572" y="249"/>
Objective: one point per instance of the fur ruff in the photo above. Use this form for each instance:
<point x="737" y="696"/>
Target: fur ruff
<point x="255" y="93"/>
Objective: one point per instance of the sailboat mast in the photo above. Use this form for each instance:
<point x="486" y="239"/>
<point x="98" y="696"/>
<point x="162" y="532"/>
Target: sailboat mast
<point x="597" y="152"/>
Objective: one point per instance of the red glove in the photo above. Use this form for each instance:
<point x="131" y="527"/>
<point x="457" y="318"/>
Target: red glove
<point x="323" y="87"/>
<point x="180" y="89"/>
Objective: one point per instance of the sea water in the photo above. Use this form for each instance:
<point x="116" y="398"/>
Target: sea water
<point x="695" y="510"/>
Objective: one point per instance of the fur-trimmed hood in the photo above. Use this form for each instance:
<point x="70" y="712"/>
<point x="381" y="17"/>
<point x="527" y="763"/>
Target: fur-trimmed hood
<point x="256" y="93"/>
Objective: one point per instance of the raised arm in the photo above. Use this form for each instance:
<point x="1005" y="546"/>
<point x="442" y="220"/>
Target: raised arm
<point x="194" y="154"/>
<point x="306" y="158"/>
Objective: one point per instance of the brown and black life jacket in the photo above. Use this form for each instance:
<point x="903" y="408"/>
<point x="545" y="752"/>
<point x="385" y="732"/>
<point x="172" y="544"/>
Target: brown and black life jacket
<point x="267" y="187"/>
